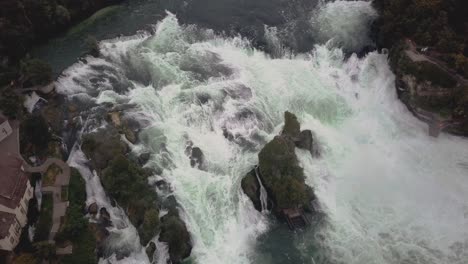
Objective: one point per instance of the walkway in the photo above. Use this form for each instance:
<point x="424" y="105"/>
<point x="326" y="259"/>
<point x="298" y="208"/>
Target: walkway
<point x="416" y="56"/>
<point x="62" y="179"/>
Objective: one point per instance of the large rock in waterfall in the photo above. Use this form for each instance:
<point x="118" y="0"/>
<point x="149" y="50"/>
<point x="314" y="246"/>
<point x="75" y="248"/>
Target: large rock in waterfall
<point x="174" y="232"/>
<point x="280" y="172"/>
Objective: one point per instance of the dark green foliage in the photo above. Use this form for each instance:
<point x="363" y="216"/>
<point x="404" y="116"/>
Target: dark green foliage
<point x="441" y="24"/>
<point x="35" y="72"/>
<point x="150" y="225"/>
<point x="124" y="172"/>
<point x="102" y="146"/>
<point x="11" y="104"/>
<point x="84" y="246"/>
<point x="76" y="228"/>
<point x="23" y="22"/>
<point x="45" y="218"/>
<point x="136" y="197"/>
<point x="44" y="250"/>
<point x="35" y="130"/>
<point x="282" y="174"/>
<point x="175" y="234"/>
<point x="427" y="71"/>
<point x="429" y="22"/>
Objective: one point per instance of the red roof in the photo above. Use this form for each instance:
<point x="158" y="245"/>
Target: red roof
<point x="13" y="181"/>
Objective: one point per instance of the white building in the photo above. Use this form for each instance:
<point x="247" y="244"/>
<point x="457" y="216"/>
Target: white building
<point x="15" y="189"/>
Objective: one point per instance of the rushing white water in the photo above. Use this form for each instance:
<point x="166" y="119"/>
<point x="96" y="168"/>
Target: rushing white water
<point x="345" y="23"/>
<point x="390" y="193"/>
<point x="263" y="193"/>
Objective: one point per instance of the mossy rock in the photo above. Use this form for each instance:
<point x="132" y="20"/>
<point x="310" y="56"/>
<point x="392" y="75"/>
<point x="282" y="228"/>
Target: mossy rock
<point x="251" y="188"/>
<point x="292" y="127"/>
<point x="175" y="234"/>
<point x="150" y="226"/>
<point x="102" y="146"/>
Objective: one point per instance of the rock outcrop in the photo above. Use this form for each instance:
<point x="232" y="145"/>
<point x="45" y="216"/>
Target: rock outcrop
<point x="175" y="234"/>
<point x="279" y="171"/>
<point x="429" y="89"/>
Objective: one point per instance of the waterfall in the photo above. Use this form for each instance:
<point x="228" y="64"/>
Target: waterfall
<point x="382" y="182"/>
<point x="263" y="192"/>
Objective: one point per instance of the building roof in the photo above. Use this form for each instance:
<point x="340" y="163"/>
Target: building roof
<point x="6" y="220"/>
<point x="13" y="180"/>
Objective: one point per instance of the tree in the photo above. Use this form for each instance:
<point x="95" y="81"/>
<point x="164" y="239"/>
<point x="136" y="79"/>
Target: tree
<point x="35" y="130"/>
<point x="35" y="72"/>
<point x="45" y="250"/>
<point x="11" y="104"/>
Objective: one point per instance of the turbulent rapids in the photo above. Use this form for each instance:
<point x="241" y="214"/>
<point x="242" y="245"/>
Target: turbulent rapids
<point x="389" y="192"/>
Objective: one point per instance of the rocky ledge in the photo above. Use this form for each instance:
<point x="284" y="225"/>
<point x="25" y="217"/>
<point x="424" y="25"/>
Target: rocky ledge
<point x="431" y="90"/>
<point x="126" y="181"/>
<point x="279" y="172"/>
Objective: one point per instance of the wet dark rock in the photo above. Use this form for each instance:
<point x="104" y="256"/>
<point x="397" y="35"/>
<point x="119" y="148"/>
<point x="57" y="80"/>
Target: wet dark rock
<point x="93" y="209"/>
<point x="252" y="189"/>
<point x="197" y="158"/>
<point x="170" y="204"/>
<point x="174" y="232"/>
<point x="150" y="226"/>
<point x="104" y="217"/>
<point x="150" y="249"/>
<point x="305" y="140"/>
<point x="292" y="127"/>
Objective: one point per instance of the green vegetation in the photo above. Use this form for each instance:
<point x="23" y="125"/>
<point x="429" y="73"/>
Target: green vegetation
<point x="76" y="228"/>
<point x="45" y="218"/>
<point x="35" y="72"/>
<point x="282" y="174"/>
<point x="35" y="131"/>
<point x="137" y="196"/>
<point x="442" y="24"/>
<point x="11" y="104"/>
<point x="427" y="71"/>
<point x="279" y="169"/>
<point x="25" y="22"/>
<point x="102" y="146"/>
<point x="84" y="246"/>
<point x="45" y="251"/>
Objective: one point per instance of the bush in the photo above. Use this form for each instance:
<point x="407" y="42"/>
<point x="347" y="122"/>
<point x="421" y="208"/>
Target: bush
<point x="35" y="130"/>
<point x="11" y="104"/>
<point x="45" y="219"/>
<point x="35" y="72"/>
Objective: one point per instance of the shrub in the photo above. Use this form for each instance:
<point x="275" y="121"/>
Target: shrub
<point x="35" y="72"/>
<point x="11" y="104"/>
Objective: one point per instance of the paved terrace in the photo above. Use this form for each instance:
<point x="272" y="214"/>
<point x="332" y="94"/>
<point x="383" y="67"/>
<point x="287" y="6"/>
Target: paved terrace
<point x="62" y="179"/>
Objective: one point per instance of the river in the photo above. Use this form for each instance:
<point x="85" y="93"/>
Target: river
<point x="389" y="192"/>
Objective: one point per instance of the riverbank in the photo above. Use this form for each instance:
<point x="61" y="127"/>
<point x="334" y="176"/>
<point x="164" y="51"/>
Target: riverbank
<point x="428" y="51"/>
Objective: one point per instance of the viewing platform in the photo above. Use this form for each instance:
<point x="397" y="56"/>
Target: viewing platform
<point x="295" y="218"/>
